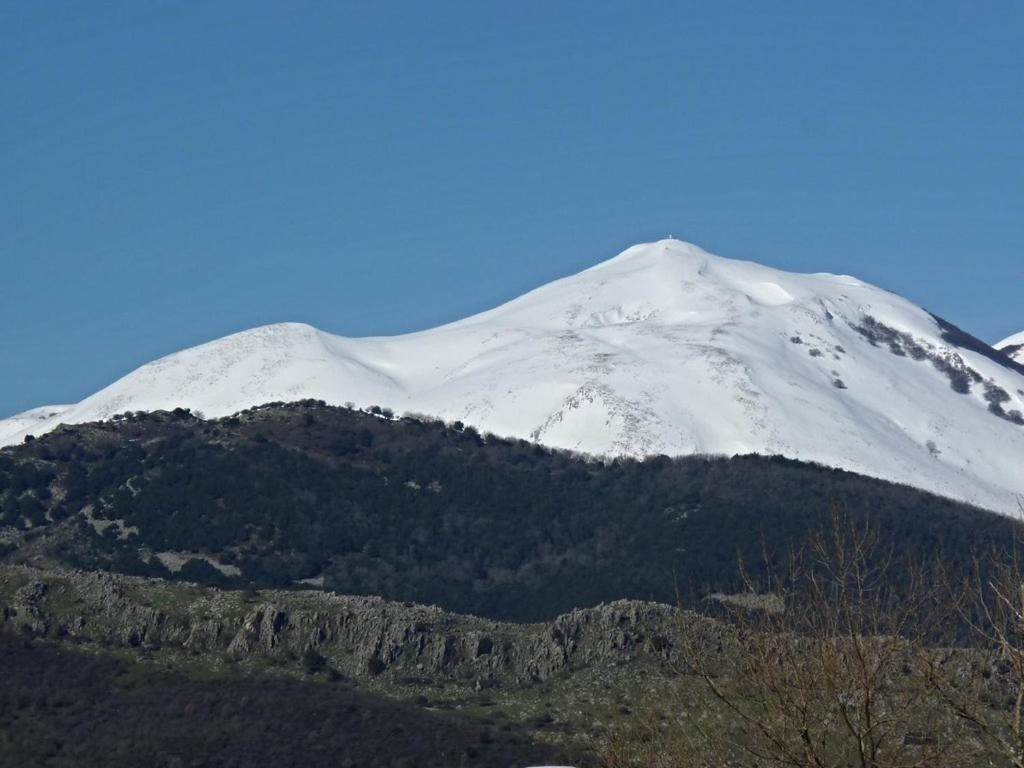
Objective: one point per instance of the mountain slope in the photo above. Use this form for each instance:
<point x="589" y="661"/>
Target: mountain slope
<point x="27" y="421"/>
<point x="662" y="349"/>
<point x="1013" y="347"/>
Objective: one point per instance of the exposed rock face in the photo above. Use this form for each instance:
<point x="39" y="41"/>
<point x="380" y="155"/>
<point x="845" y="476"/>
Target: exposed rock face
<point x="360" y="636"/>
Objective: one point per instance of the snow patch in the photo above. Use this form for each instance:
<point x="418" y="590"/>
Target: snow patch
<point x="769" y="294"/>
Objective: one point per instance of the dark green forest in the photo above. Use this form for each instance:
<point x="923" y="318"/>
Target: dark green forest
<point x="415" y="509"/>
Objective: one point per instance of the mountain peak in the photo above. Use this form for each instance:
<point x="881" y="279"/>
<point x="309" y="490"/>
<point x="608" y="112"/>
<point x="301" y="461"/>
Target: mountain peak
<point x="671" y="282"/>
<point x="658" y="254"/>
<point x="667" y="247"/>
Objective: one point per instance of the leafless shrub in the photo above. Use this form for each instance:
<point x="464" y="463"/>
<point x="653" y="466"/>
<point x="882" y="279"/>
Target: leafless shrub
<point x="843" y="676"/>
<point x="984" y="686"/>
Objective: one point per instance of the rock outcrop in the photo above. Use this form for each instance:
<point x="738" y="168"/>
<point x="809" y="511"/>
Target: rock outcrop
<point x="360" y="637"/>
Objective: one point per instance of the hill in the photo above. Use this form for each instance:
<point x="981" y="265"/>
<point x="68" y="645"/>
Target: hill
<point x="306" y="495"/>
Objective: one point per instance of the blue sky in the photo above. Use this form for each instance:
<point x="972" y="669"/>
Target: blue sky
<point x="172" y="172"/>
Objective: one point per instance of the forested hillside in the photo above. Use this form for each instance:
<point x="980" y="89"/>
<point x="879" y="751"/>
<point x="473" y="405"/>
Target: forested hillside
<point x="305" y="495"/>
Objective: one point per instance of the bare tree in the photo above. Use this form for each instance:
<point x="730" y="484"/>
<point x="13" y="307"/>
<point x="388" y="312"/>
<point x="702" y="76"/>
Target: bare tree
<point x="834" y="678"/>
<point x="983" y="684"/>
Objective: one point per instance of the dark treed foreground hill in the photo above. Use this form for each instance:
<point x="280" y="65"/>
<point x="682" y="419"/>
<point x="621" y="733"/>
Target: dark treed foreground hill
<point x="414" y="509"/>
<point x="63" y="707"/>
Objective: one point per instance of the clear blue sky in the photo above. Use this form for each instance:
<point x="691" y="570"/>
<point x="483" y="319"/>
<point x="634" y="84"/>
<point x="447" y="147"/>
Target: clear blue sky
<point x="172" y="172"/>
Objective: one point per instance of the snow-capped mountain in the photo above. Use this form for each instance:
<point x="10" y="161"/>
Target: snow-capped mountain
<point x="663" y="349"/>
<point x="1013" y="346"/>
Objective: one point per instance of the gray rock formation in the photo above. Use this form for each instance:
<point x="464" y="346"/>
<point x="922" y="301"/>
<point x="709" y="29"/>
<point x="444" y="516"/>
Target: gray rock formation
<point x="359" y="636"/>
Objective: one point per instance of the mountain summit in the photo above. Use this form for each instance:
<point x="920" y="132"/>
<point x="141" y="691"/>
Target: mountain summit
<point x="663" y="349"/>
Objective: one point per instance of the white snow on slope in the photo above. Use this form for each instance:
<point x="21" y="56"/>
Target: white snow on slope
<point x="1013" y="346"/>
<point x="662" y="349"/>
<point x="24" y="423"/>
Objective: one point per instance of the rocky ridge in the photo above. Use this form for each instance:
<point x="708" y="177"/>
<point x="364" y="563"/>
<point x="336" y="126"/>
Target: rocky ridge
<point x="359" y="637"/>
